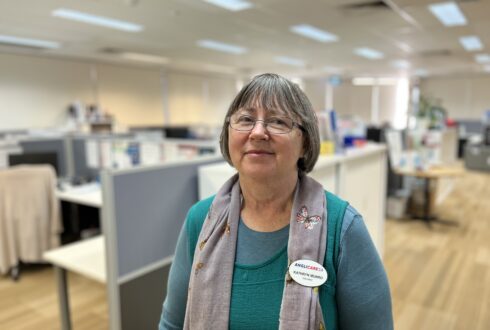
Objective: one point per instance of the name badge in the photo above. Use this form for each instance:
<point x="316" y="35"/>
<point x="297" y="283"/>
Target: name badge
<point x="308" y="273"/>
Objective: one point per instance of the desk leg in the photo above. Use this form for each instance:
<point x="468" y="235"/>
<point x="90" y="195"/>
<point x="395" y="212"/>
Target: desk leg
<point x="427" y="202"/>
<point x="63" y="298"/>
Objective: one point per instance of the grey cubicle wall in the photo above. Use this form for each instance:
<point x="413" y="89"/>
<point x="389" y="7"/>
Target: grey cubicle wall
<point x="56" y="145"/>
<point x="143" y="212"/>
<point x="80" y="165"/>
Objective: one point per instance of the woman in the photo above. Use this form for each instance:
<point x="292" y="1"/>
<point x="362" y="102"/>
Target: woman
<point x="231" y="262"/>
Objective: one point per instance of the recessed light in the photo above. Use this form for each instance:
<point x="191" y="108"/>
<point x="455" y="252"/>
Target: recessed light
<point x="97" y="20"/>
<point x="221" y="46"/>
<point x="6" y="39"/>
<point x="471" y="43"/>
<point x="482" y="58"/>
<point x="314" y="33"/>
<point x="448" y="13"/>
<point x="400" y="64"/>
<point x="290" y="61"/>
<point x="369" y="53"/>
<point x="144" y="58"/>
<point x="421" y="72"/>
<point x="233" y="5"/>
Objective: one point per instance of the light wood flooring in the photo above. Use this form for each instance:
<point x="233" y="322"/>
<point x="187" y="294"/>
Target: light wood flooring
<point x="439" y="277"/>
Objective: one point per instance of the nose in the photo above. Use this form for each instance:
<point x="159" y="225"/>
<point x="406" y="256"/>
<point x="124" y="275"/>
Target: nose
<point x="259" y="131"/>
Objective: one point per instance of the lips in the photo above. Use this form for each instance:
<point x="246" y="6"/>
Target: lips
<point x="258" y="152"/>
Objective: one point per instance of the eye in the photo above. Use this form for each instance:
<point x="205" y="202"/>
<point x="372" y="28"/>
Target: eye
<point x="244" y="119"/>
<point x="278" y="121"/>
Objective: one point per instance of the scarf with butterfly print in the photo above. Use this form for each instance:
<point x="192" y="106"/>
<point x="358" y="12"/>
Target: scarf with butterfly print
<point x="214" y="258"/>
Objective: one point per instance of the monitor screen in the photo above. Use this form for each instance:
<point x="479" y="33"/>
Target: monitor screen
<point x="35" y="158"/>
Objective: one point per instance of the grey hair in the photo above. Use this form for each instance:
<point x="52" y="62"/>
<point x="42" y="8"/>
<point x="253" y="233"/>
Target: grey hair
<point x="271" y="91"/>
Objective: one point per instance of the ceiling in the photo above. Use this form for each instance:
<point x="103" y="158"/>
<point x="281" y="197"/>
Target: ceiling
<point x="401" y="29"/>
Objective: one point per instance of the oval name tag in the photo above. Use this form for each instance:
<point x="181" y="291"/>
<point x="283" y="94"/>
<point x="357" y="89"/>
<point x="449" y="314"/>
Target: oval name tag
<point x="308" y="273"/>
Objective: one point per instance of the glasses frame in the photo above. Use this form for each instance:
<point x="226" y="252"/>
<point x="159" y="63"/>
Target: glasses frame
<point x="295" y="124"/>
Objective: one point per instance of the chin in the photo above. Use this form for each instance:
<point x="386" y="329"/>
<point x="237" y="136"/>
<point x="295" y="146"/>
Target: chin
<point x="257" y="172"/>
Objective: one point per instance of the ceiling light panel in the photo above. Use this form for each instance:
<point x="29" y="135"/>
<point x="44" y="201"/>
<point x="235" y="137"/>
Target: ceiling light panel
<point x="38" y="43"/>
<point x="400" y="64"/>
<point x="314" y="33"/>
<point x="97" y="20"/>
<point x="471" y="43"/>
<point x="232" y="5"/>
<point x="448" y="13"/>
<point x="144" y="58"/>
<point x="290" y="61"/>
<point x="482" y="58"/>
<point x="369" y="53"/>
<point x="221" y="46"/>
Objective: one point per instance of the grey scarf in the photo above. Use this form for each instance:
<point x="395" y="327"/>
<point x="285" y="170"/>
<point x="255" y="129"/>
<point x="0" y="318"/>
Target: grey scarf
<point x="208" y="304"/>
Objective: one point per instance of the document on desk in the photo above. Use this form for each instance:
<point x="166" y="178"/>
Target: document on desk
<point x="150" y="153"/>
<point x="106" y="154"/>
<point x="92" y="152"/>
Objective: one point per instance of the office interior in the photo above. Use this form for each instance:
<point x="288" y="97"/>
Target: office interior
<point x="111" y="112"/>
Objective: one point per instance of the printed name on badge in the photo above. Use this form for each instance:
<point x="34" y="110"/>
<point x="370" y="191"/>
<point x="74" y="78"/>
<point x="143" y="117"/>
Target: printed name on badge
<point x="308" y="273"/>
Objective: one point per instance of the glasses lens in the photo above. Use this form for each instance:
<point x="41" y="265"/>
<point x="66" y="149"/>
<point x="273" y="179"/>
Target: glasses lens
<point x="275" y="125"/>
<point x="242" y="123"/>
<point x="279" y="125"/>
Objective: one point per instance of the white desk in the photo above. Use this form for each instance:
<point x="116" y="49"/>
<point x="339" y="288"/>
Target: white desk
<point x="88" y="194"/>
<point x="86" y="258"/>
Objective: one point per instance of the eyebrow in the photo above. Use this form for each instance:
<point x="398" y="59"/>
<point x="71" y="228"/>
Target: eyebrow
<point x="272" y="111"/>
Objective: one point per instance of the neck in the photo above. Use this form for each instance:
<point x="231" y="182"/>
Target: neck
<point x="267" y="205"/>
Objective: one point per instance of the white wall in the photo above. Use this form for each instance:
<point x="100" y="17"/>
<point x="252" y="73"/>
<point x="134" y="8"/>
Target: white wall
<point x="354" y="100"/>
<point x="36" y="91"/>
<point x="197" y="99"/>
<point x="133" y="95"/>
<point x="463" y="97"/>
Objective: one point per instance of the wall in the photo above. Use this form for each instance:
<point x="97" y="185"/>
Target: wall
<point x="463" y="97"/>
<point x="354" y="100"/>
<point x="197" y="99"/>
<point x="133" y="95"/>
<point x="35" y="92"/>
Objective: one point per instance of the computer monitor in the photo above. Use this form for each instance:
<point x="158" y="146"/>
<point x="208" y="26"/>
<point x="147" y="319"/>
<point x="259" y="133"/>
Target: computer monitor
<point x="35" y="158"/>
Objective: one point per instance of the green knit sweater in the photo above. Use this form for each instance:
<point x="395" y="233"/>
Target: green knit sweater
<point x="257" y="289"/>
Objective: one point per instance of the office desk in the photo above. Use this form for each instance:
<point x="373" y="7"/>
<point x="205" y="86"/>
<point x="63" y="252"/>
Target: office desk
<point x="86" y="258"/>
<point x="89" y="194"/>
<point x="432" y="173"/>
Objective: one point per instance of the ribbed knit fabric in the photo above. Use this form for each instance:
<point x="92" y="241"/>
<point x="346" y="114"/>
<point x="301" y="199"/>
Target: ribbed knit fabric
<point x="262" y="285"/>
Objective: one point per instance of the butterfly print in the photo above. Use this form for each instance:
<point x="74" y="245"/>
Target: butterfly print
<point x="302" y="217"/>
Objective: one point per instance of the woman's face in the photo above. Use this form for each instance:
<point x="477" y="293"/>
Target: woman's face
<point x="258" y="154"/>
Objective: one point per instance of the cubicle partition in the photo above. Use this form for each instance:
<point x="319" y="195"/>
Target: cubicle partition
<point x="143" y="212"/>
<point x="52" y="145"/>
<point x="80" y="158"/>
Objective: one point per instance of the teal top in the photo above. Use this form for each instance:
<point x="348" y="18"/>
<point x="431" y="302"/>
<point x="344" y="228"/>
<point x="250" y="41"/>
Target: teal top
<point x="261" y="263"/>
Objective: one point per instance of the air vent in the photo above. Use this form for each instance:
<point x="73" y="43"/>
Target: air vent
<point x="110" y="51"/>
<point x="435" y="53"/>
<point x="366" y="5"/>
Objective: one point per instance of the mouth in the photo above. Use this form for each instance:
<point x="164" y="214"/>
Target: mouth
<point x="258" y="152"/>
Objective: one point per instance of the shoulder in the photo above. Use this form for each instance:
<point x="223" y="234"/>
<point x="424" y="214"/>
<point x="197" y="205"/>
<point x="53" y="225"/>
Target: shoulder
<point x="351" y="218"/>
<point x="200" y="209"/>
<point x="195" y="220"/>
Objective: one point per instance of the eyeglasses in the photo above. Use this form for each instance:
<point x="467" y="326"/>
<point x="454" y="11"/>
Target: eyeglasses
<point x="274" y="125"/>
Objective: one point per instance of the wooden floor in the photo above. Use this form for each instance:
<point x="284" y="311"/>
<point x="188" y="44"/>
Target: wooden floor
<point x="439" y="277"/>
<point x="32" y="302"/>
